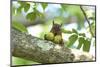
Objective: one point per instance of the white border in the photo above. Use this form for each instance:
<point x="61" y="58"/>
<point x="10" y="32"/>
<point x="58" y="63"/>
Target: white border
<point x="5" y="33"/>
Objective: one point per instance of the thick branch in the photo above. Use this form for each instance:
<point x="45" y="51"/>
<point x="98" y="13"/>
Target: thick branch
<point x="35" y="49"/>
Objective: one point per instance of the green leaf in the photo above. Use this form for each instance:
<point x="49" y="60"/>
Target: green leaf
<point x="66" y="31"/>
<point x="44" y="5"/>
<point x="19" y="26"/>
<point x="21" y="3"/>
<point x="19" y="9"/>
<point x="82" y="34"/>
<point x="64" y="6"/>
<point x="26" y="7"/>
<point x="20" y="61"/>
<point x="74" y="31"/>
<point x="86" y="46"/>
<point x="81" y="42"/>
<point x="72" y="40"/>
<point x="31" y="16"/>
<point x="39" y="14"/>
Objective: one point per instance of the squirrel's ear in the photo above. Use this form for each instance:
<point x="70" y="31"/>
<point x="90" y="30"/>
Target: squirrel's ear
<point x="53" y="22"/>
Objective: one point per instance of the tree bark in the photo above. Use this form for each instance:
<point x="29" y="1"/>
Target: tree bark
<point x="28" y="47"/>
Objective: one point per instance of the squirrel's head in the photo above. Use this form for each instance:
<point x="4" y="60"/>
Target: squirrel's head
<point x="56" y="27"/>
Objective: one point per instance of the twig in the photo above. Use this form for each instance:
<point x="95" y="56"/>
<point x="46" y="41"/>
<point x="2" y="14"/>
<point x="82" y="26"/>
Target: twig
<point x="87" y="20"/>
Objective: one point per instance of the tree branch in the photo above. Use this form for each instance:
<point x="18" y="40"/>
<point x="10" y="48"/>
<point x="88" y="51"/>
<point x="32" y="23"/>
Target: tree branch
<point x="87" y="20"/>
<point x="35" y="49"/>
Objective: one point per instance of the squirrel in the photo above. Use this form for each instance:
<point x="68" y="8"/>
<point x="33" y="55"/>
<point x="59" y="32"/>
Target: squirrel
<point x="55" y="34"/>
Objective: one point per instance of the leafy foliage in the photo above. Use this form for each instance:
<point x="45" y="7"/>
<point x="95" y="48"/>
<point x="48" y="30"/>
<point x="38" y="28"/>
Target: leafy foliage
<point x="81" y="41"/>
<point x="19" y="26"/>
<point x="20" y="61"/>
<point x="44" y="5"/>
<point x="24" y="5"/>
<point x="19" y="9"/>
<point x="72" y="40"/>
<point x="31" y="16"/>
<point x="74" y="31"/>
<point x="82" y="34"/>
<point x="66" y="31"/>
<point x="86" y="46"/>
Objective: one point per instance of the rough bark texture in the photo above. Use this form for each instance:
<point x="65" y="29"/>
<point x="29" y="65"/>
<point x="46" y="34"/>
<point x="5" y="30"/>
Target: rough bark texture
<point x="32" y="48"/>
